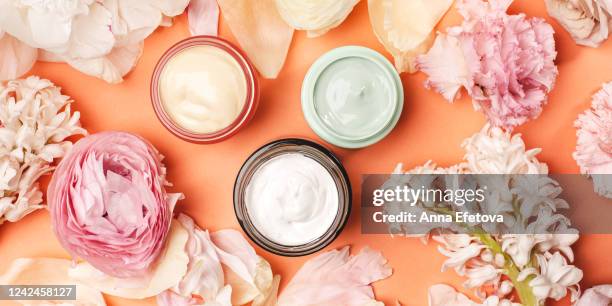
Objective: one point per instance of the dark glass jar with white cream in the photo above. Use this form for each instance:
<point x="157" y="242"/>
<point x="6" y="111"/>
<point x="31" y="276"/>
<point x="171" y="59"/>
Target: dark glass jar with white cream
<point x="292" y="197"/>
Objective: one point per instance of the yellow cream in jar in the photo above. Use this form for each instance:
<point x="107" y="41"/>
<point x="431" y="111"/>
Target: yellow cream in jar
<point x="203" y="89"/>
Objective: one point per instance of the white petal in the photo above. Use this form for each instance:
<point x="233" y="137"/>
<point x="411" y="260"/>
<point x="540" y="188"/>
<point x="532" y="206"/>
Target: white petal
<point x="203" y="17"/>
<point x="112" y="67"/>
<point x="49" y="271"/>
<point x="16" y="58"/>
<point x="140" y="19"/>
<point x="597" y="296"/>
<point x="170" y="8"/>
<point x="91" y="34"/>
<point x="315" y="16"/>
<point x="50" y="30"/>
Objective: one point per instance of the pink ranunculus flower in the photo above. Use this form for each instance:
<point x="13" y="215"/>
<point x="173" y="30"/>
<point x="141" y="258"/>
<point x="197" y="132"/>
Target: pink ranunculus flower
<point x="108" y="203"/>
<point x="505" y="62"/>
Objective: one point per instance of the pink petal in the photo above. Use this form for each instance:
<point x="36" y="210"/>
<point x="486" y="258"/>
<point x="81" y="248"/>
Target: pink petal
<point x="236" y="253"/>
<point x="203" y="17"/>
<point x="594" y="145"/>
<point x="444" y="295"/>
<point x="596" y="296"/>
<point x="336" y="278"/>
<point x="204" y="275"/>
<point x="16" y="58"/>
<point x="170" y="298"/>
<point x="446" y="67"/>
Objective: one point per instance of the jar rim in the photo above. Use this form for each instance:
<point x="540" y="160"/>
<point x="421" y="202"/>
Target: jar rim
<point x="312" y="150"/>
<point x="308" y="102"/>
<point x="251" y="99"/>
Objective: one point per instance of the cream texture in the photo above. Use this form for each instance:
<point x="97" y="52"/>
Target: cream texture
<point x="354" y="98"/>
<point x="292" y="199"/>
<point x="203" y="89"/>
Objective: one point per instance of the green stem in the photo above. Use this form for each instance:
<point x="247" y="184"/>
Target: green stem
<point x="511" y="270"/>
<point x="524" y="291"/>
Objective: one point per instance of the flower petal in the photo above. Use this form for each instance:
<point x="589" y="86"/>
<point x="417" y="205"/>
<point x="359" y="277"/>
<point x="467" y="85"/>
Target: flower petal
<point x="16" y="58"/>
<point x="203" y="17"/>
<point x="594" y="146"/>
<point x="597" y="296"/>
<point x="249" y="275"/>
<point x="335" y="278"/>
<point x="261" y="32"/>
<point x="589" y="22"/>
<point x="169" y="270"/>
<point x="91" y="34"/>
<point x="405" y="28"/>
<point x="113" y="66"/>
<point x="315" y="16"/>
<point x="49" y="271"/>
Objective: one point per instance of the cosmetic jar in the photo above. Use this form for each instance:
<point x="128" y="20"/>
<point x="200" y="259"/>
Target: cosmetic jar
<point x="352" y="97"/>
<point x="204" y="89"/>
<point x="282" y="197"/>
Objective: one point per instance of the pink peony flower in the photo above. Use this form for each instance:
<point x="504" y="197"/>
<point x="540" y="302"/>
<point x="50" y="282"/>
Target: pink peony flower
<point x="505" y="62"/>
<point x="108" y="203"/>
<point x="594" y="147"/>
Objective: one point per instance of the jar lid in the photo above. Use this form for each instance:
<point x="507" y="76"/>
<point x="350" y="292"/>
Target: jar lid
<point x="352" y="97"/>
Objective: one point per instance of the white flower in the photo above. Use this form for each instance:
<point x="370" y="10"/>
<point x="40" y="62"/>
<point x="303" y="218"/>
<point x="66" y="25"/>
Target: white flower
<point x="535" y="192"/>
<point x="588" y="21"/>
<point x="35" y="121"/>
<point x="315" y="16"/>
<point x="505" y="288"/>
<point x="494" y="151"/>
<point x="526" y="196"/>
<point x="555" y="278"/>
<point x="521" y="246"/>
<point x="44" y="24"/>
<point x="100" y="38"/>
<point x="480" y="275"/>
<point x="597" y="296"/>
<point x="459" y="249"/>
<point x="443" y="295"/>
<point x="560" y="242"/>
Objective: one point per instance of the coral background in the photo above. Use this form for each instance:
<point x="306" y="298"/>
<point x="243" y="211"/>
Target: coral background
<point x="429" y="128"/>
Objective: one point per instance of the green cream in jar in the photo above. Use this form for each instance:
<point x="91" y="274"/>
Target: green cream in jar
<point x="352" y="97"/>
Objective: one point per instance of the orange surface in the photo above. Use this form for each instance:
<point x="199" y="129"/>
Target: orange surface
<point x="429" y="129"/>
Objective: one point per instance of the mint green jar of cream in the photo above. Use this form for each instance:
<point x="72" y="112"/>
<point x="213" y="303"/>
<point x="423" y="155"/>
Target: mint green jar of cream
<point x="352" y="97"/>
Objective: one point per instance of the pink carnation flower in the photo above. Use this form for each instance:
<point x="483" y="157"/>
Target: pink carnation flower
<point x="108" y="203"/>
<point x="594" y="147"/>
<point x="505" y="62"/>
